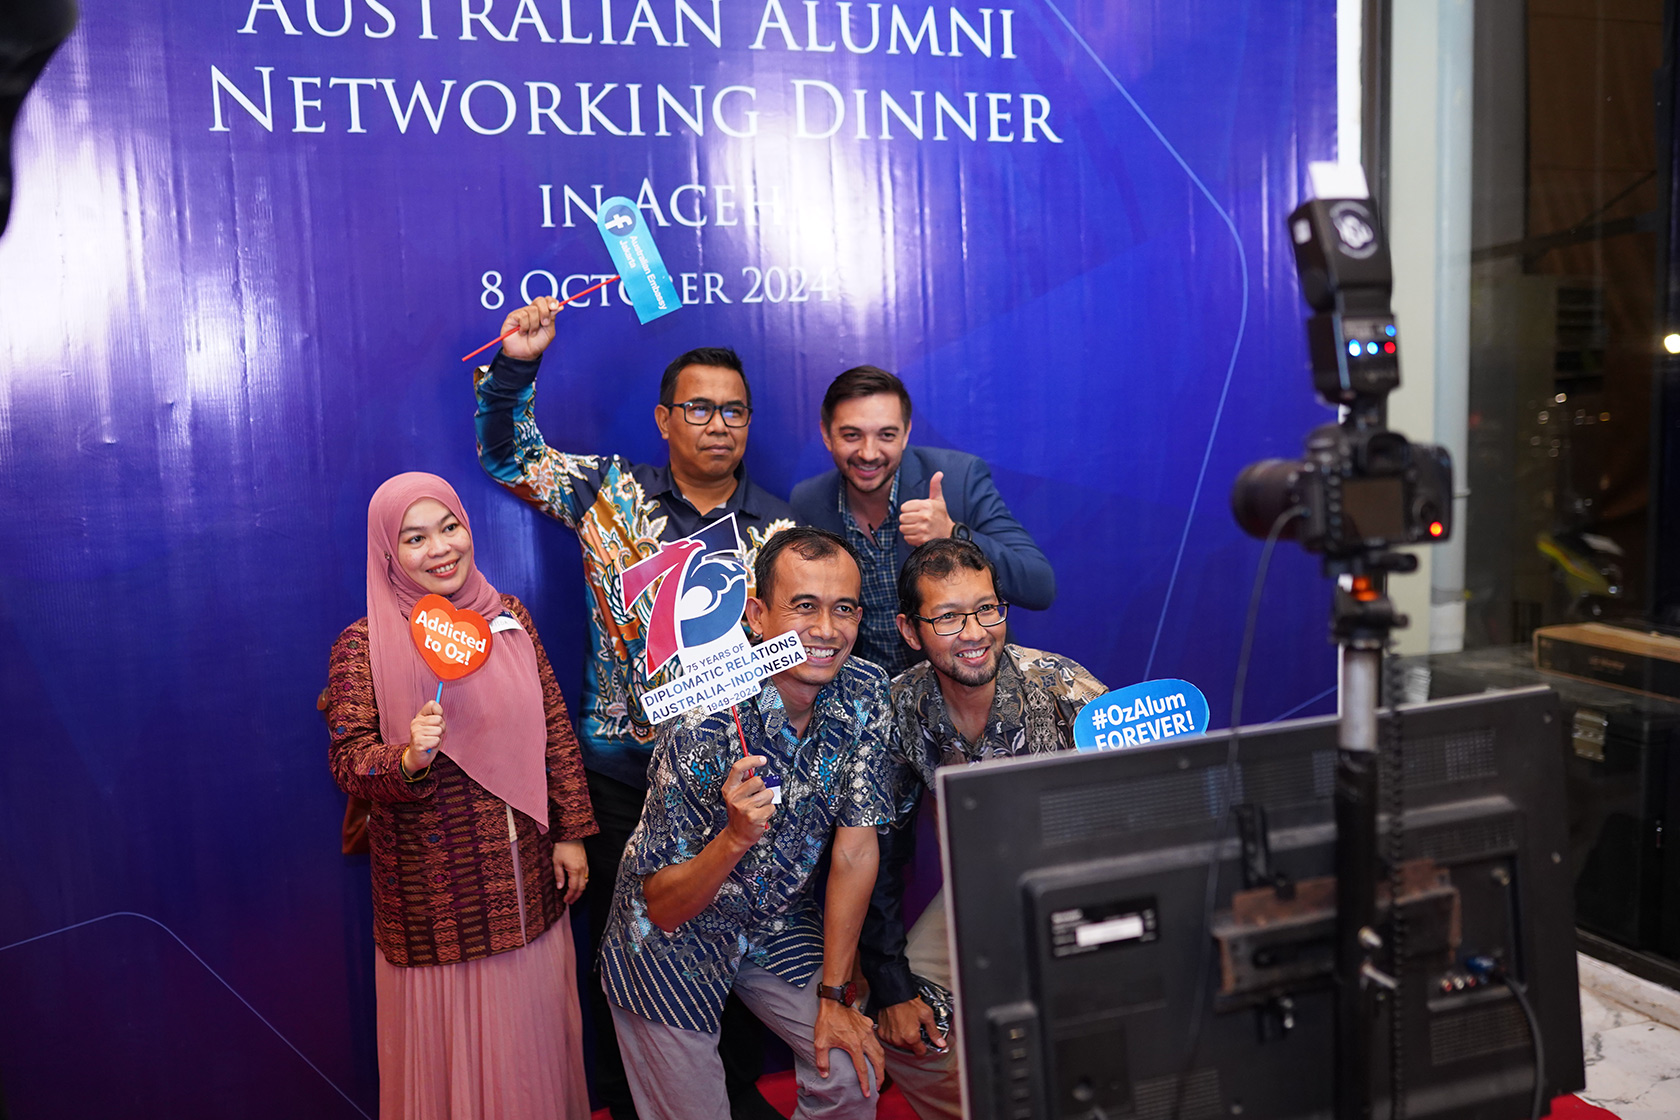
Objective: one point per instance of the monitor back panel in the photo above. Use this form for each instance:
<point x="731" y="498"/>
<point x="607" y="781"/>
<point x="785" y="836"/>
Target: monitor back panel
<point x="1078" y="887"/>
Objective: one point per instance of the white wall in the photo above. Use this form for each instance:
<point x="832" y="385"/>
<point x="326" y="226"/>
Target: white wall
<point x="1429" y="236"/>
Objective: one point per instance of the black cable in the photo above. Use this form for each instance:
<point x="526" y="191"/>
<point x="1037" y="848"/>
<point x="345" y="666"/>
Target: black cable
<point x="1241" y="682"/>
<point x="1521" y="992"/>
<point x="1212" y="892"/>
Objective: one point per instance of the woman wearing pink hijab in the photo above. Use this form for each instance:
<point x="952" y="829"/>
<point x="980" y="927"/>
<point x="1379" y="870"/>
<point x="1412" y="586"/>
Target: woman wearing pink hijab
<point x="479" y="810"/>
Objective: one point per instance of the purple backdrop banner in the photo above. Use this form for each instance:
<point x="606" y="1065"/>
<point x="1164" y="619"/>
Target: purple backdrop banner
<point x="251" y="240"/>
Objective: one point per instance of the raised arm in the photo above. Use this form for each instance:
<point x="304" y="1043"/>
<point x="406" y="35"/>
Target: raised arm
<point x="511" y="448"/>
<point x="1024" y="574"/>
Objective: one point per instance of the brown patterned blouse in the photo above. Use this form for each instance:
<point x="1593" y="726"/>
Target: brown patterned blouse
<point x="445" y="888"/>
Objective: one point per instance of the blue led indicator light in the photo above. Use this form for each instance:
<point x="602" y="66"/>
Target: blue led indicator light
<point x="1370" y="348"/>
<point x="1353" y="349"/>
<point x="1390" y="331"/>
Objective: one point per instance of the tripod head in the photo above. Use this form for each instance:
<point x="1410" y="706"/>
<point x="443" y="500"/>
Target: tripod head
<point x="1365" y="488"/>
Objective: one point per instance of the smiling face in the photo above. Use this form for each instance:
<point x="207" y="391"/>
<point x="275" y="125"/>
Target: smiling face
<point x="711" y="450"/>
<point x="971" y="656"/>
<point x="434" y="547"/>
<point x="820" y="600"/>
<point x="866" y="436"/>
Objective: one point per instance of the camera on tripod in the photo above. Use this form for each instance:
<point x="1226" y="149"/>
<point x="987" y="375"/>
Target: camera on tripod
<point x="1364" y="488"/>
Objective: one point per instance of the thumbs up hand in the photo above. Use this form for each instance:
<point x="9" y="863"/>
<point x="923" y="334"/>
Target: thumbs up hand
<point x="924" y="519"/>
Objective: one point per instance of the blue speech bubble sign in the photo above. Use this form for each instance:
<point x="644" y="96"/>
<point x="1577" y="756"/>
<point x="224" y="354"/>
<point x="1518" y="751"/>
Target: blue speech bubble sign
<point x="1141" y="714"/>
<point x="646" y="280"/>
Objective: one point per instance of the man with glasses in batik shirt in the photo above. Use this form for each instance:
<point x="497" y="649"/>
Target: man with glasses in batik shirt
<point x="622" y="513"/>
<point x="974" y="698"/>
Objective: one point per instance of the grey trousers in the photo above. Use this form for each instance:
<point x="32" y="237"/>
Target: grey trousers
<point x="930" y="1082"/>
<point x="675" y="1074"/>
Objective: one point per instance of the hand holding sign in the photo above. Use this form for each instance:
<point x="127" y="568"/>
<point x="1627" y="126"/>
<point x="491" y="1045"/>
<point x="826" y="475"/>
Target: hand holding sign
<point x="749" y="803"/>
<point x="926" y="519"/>
<point x="425" y="735"/>
<point x="527" y="331"/>
<point x="453" y="643"/>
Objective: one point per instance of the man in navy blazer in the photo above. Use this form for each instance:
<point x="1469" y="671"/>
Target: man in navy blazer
<point x="886" y="498"/>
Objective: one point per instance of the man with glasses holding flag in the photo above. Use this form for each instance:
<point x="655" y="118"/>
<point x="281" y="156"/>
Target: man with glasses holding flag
<point x="976" y="697"/>
<point x="623" y="512"/>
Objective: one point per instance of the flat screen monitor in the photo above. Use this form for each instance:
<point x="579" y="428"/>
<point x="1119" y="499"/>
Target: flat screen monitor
<point x="1083" y="935"/>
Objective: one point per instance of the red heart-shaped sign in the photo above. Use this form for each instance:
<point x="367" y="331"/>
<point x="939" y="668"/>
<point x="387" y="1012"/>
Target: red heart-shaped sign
<point x="453" y="642"/>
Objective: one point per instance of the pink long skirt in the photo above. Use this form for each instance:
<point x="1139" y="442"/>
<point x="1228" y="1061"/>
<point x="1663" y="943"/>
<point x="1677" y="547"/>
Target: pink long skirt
<point x="498" y="1038"/>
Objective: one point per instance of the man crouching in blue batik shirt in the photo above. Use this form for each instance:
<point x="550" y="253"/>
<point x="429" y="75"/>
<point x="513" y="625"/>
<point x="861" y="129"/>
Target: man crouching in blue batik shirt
<point x="714" y="892"/>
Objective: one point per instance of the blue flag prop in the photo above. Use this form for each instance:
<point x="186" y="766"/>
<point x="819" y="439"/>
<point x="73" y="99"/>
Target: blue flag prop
<point x="1141" y="714"/>
<point x="646" y="280"/>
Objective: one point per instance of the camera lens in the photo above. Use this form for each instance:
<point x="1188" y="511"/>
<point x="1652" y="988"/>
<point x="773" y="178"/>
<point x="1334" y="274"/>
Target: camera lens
<point x="1262" y="492"/>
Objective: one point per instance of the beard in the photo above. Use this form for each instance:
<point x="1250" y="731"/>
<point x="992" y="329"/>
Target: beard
<point x="973" y="675"/>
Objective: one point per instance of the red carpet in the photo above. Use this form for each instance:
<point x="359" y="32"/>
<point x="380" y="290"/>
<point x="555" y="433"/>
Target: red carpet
<point x="1574" y="1108"/>
<point x="778" y="1089"/>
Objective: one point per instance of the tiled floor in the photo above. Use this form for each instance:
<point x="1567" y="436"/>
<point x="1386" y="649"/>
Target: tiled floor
<point x="1633" y="1053"/>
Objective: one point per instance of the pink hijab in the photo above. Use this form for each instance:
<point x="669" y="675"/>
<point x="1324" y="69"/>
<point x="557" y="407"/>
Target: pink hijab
<point x="495" y="726"/>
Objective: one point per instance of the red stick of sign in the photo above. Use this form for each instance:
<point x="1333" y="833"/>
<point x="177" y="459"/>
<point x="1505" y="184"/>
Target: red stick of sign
<point x="734" y="711"/>
<point x="511" y="331"/>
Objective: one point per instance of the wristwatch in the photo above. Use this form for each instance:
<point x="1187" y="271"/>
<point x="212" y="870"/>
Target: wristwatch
<point x="840" y="993"/>
<point x="961" y="532"/>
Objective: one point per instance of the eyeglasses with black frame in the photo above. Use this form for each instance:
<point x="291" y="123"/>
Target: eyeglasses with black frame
<point x="699" y="412"/>
<point x="951" y="623"/>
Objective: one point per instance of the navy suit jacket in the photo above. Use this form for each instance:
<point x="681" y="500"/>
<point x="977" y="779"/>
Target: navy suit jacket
<point x="1025" y="577"/>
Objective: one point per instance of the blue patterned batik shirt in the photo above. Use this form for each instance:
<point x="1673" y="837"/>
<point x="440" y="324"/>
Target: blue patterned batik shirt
<point x="878" y="637"/>
<point x="836" y="775"/>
